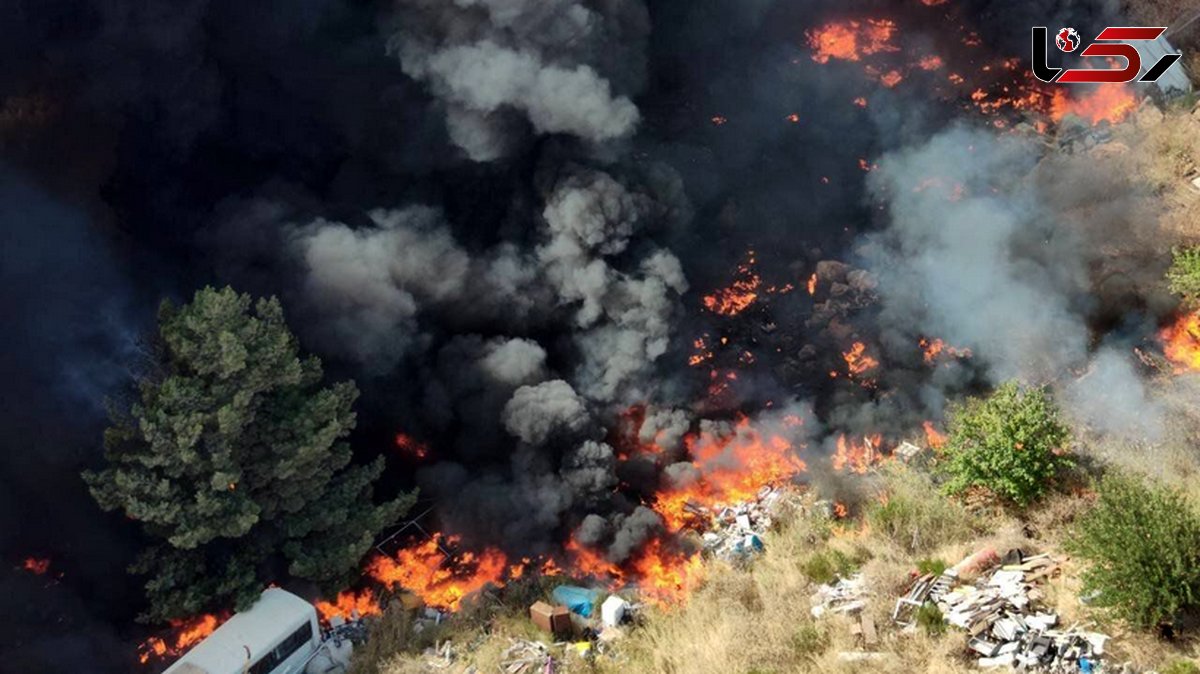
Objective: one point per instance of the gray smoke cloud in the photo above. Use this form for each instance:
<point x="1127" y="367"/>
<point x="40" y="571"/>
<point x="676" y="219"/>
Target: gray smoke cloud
<point x="975" y="254"/>
<point x="535" y="413"/>
<point x="547" y="65"/>
<point x="371" y="281"/>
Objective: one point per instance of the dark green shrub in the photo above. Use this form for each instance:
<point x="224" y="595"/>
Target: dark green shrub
<point x="1141" y="548"/>
<point x="1010" y="443"/>
<point x="827" y="566"/>
<point x="930" y="619"/>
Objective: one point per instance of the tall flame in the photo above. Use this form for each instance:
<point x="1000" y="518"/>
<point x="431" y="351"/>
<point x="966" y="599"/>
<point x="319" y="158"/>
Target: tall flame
<point x="857" y="456"/>
<point x="349" y="604"/>
<point x="439" y="578"/>
<point x="1181" y="342"/>
<point x="731" y="468"/>
<point x="188" y="633"/>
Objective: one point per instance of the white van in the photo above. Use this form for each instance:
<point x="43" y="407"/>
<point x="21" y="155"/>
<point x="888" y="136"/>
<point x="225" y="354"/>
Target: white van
<point x="278" y="635"/>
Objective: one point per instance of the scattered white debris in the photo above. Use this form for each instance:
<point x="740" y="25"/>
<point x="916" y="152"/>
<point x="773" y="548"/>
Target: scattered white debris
<point x="847" y="595"/>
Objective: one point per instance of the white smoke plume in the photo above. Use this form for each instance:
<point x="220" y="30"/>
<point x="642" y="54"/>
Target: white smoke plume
<point x="973" y="255"/>
<point x="498" y="63"/>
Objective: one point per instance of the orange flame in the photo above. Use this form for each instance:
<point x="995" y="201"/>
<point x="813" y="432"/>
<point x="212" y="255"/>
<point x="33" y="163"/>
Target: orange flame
<point x="440" y="579"/>
<point x="740" y="294"/>
<point x="666" y="578"/>
<point x="933" y="348"/>
<point x="732" y="467"/>
<point x="857" y="360"/>
<point x="855" y="456"/>
<point x="189" y="632"/>
<point x="1181" y="342"/>
<point x="851" y="40"/>
<point x="349" y="604"/>
<point x="1106" y="103"/>
<point x="935" y="439"/>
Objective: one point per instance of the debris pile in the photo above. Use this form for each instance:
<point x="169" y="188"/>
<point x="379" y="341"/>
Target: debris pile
<point x="847" y="595"/>
<point x="998" y="613"/>
<point x="735" y="531"/>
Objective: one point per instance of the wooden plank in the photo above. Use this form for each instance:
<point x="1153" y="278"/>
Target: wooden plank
<point x="870" y="637"/>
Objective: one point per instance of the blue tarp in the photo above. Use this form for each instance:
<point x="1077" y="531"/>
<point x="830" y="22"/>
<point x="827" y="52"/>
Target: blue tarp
<point x="578" y="599"/>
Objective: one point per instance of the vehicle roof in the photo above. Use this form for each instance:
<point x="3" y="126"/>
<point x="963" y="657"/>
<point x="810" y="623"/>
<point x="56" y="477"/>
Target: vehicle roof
<point x="275" y="615"/>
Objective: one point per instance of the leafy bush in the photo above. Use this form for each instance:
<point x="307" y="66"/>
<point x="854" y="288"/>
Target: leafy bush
<point x="1141" y="545"/>
<point x="828" y="565"/>
<point x="930" y="619"/>
<point x="1010" y="443"/>
<point x="1183" y="277"/>
<point x="913" y="514"/>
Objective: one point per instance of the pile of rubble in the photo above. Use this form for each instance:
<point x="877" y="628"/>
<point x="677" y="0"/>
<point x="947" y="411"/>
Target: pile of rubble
<point x="736" y="531"/>
<point x="847" y="595"/>
<point x="998" y="613"/>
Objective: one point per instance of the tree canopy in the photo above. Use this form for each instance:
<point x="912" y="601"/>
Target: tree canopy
<point x="233" y="457"/>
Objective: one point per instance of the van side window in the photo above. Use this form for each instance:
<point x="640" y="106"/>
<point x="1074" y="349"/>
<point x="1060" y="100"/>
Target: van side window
<point x="294" y="642"/>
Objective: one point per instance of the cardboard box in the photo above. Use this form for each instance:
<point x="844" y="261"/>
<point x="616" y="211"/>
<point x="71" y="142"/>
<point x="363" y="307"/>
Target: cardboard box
<point x="553" y="619"/>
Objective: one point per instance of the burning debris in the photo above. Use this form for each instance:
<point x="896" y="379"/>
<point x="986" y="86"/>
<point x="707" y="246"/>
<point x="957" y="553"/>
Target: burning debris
<point x="187" y="633"/>
<point x="1181" y="342"/>
<point x="736" y="531"/>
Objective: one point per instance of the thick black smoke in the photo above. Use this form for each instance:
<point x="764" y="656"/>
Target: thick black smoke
<point x="498" y="216"/>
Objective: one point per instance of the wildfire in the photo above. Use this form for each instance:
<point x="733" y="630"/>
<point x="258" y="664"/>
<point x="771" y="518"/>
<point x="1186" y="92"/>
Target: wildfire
<point x="855" y="456"/>
<point x="349" y="604"/>
<point x="439" y="578"/>
<point x="851" y="40"/>
<point x="933" y="348"/>
<point x="36" y="565"/>
<point x="935" y="439"/>
<point x="857" y="360"/>
<point x="411" y="446"/>
<point x="1181" y="342"/>
<point x="591" y="563"/>
<point x="1110" y="103"/>
<point x="732" y="466"/>
<point x="189" y="632"/>
<point x="812" y="284"/>
<point x="665" y="577"/>
<point x="740" y="294"/>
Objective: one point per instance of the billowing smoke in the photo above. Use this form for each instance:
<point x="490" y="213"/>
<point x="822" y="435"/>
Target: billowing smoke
<point x="986" y="249"/>
<point x="504" y="68"/>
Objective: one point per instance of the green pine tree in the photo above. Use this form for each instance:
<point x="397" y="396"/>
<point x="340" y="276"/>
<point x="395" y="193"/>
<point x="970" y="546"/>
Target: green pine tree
<point x="233" y="458"/>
